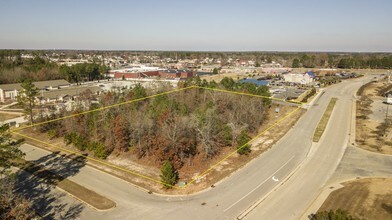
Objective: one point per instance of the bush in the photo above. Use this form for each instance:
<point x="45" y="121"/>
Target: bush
<point x="52" y="133"/>
<point x="243" y="147"/>
<point x="227" y="135"/>
<point x="99" y="150"/>
<point x="244" y="150"/>
<point x="69" y="138"/>
<point x="310" y="94"/>
<point x="331" y="215"/>
<point x="77" y="140"/>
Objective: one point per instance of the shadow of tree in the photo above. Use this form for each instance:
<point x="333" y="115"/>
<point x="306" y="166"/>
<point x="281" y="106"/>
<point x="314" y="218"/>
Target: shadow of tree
<point x="61" y="166"/>
<point x="40" y="187"/>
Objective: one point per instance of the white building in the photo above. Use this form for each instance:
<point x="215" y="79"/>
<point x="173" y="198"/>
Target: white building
<point x="389" y="99"/>
<point x="134" y="69"/>
<point x="301" y="78"/>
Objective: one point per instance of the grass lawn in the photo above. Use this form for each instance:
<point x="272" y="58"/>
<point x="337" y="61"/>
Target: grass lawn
<point x="5" y="116"/>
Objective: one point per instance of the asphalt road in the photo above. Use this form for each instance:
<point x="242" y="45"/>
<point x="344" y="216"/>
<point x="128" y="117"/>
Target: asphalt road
<point x="261" y="178"/>
<point x="358" y="163"/>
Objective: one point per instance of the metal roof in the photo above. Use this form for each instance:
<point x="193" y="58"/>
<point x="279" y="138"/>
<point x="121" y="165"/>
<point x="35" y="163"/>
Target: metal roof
<point x="255" y="81"/>
<point x="39" y="85"/>
<point x="71" y="91"/>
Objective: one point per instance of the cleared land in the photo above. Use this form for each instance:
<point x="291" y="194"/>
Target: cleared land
<point x="324" y="120"/>
<point x="373" y="125"/>
<point x="363" y="199"/>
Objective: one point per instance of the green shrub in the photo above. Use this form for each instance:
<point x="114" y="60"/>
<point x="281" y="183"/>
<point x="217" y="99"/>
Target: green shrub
<point x="243" y="148"/>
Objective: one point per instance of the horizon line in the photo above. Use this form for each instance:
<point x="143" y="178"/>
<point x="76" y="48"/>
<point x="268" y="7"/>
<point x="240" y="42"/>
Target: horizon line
<point x="199" y="51"/>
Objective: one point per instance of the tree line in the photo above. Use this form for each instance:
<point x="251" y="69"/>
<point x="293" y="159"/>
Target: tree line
<point x="357" y="61"/>
<point x="361" y="63"/>
<point x="82" y="72"/>
<point x="14" y="69"/>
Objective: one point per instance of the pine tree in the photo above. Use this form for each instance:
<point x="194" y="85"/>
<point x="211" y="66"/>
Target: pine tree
<point x="296" y="63"/>
<point x="169" y="175"/>
<point x="9" y="149"/>
<point x="26" y="98"/>
<point x="12" y="205"/>
<point x="215" y="71"/>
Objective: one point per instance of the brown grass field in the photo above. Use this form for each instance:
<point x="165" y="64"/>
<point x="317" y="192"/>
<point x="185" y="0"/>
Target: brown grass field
<point x="363" y="199"/>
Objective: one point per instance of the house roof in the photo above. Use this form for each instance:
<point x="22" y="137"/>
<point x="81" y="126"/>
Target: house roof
<point x="39" y="85"/>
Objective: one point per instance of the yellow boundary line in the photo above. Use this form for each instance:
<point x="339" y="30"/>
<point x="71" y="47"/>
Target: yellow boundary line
<point x="152" y="96"/>
<point x="232" y="153"/>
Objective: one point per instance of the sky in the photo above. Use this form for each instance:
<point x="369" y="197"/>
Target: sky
<point x="198" y="25"/>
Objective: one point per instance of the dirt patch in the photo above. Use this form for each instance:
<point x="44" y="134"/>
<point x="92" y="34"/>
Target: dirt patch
<point x="373" y="120"/>
<point x="130" y="167"/>
<point x="363" y="199"/>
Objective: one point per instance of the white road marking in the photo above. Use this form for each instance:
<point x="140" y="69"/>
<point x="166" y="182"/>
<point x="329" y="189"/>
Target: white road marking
<point x="275" y="179"/>
<point x="258" y="185"/>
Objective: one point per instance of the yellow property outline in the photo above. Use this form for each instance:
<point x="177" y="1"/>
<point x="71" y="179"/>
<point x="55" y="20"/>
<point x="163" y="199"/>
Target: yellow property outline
<point x="15" y="131"/>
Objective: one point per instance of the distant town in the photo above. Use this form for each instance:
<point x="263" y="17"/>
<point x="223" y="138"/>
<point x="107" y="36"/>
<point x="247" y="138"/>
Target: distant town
<point x="283" y="73"/>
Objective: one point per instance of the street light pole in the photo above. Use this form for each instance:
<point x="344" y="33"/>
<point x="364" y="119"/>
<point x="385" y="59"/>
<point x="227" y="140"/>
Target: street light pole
<point x="386" y="120"/>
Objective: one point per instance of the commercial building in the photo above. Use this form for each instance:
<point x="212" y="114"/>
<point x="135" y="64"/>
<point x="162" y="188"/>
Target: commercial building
<point x="10" y="91"/>
<point x="299" y="78"/>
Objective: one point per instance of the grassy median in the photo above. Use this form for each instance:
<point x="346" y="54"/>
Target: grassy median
<point x="324" y="120"/>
